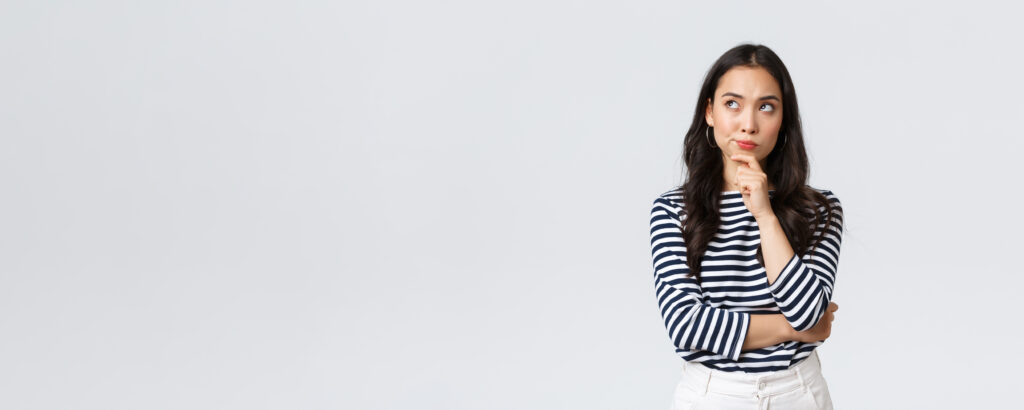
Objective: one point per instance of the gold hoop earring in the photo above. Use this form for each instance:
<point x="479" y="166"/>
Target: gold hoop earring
<point x="713" y="146"/>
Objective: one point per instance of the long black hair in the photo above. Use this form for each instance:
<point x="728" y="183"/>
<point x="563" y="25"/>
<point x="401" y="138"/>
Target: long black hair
<point x="794" y="203"/>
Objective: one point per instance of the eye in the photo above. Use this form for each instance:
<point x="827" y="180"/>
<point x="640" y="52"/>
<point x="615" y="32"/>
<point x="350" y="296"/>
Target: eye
<point x="770" y="107"/>
<point x="731" y="102"/>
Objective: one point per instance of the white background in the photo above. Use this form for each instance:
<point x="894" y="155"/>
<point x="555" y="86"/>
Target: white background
<point x="444" y="205"/>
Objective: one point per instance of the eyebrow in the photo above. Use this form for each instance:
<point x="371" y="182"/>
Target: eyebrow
<point x="767" y="97"/>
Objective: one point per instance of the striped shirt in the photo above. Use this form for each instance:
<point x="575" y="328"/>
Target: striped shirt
<point x="708" y="322"/>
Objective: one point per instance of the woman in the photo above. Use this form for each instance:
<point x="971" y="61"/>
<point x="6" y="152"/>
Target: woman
<point x="745" y="254"/>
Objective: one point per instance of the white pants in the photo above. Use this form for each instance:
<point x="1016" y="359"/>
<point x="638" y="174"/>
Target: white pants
<point x="799" y="387"/>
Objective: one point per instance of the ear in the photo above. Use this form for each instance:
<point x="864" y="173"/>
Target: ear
<point x="707" y="114"/>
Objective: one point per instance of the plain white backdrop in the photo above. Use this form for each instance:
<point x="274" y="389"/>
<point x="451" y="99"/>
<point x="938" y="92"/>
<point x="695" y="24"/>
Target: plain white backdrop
<point x="444" y="205"/>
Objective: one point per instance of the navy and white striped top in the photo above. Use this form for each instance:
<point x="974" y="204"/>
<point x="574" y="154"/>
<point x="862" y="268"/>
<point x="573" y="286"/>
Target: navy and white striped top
<point x="707" y="323"/>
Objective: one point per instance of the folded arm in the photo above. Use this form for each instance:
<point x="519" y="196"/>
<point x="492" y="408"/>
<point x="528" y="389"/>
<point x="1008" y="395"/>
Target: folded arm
<point x="803" y="287"/>
<point x="768" y="330"/>
<point x="802" y="290"/>
<point x="691" y="324"/>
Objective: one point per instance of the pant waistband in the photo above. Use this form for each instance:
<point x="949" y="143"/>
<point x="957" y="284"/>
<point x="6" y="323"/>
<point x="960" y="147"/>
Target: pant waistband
<point x="704" y="379"/>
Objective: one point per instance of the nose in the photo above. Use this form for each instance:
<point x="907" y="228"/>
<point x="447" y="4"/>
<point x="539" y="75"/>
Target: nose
<point x="749" y="123"/>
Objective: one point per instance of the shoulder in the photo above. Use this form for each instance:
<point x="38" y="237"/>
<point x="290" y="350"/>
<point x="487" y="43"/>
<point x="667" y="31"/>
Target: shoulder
<point x="830" y="196"/>
<point x="834" y="209"/>
<point x="672" y="198"/>
<point x="668" y="206"/>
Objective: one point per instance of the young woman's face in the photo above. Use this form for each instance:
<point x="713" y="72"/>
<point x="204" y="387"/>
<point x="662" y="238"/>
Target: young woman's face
<point x="746" y="107"/>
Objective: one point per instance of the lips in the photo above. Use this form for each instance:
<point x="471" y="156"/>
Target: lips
<point x="746" y="144"/>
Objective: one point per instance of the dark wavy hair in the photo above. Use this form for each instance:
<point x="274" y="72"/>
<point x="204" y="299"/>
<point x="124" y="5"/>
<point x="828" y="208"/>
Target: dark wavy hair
<point x="794" y="203"/>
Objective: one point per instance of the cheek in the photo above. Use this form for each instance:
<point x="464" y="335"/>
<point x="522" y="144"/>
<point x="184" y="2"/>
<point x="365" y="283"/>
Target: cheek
<point x="774" y="127"/>
<point x="725" y="122"/>
<point x="777" y="121"/>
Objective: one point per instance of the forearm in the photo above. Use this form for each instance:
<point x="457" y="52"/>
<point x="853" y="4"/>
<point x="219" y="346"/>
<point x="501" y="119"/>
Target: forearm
<point x="802" y="288"/>
<point x="774" y="246"/>
<point x="767" y="330"/>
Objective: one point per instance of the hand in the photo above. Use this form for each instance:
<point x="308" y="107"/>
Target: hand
<point x="753" y="184"/>
<point x="822" y="330"/>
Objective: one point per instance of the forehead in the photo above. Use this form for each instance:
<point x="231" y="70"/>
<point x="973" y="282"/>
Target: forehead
<point x="750" y="82"/>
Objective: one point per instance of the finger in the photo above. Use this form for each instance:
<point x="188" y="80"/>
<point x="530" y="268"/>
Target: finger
<point x="743" y="159"/>
<point x="740" y="185"/>
<point x="749" y="181"/>
<point x="748" y="160"/>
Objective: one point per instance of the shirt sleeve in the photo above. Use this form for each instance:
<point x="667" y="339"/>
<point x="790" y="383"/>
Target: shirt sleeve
<point x="804" y="287"/>
<point x="691" y="324"/>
